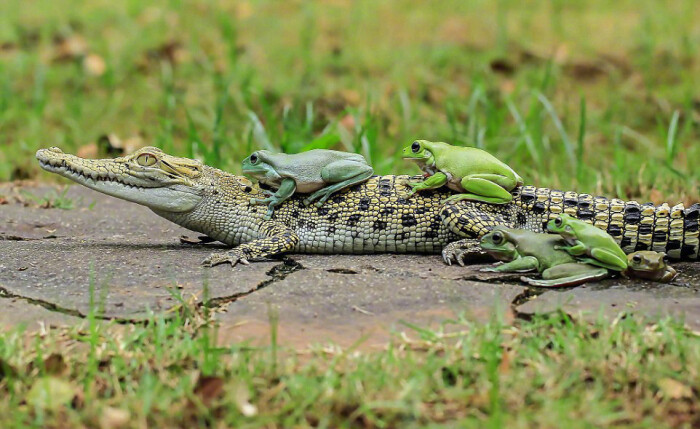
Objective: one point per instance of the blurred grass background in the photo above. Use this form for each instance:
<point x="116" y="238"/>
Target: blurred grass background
<point x="594" y="96"/>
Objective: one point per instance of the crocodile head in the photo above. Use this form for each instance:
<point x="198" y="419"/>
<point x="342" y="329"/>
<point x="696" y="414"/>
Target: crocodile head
<point x="148" y="176"/>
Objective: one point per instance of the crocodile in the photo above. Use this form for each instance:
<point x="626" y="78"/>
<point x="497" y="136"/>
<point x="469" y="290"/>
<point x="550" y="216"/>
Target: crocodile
<point x="376" y="216"/>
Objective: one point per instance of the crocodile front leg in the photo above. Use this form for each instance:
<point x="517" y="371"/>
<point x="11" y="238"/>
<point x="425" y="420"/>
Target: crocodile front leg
<point x="277" y="238"/>
<point x="471" y="220"/>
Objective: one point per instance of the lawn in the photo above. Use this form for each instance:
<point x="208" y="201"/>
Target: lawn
<point x="593" y="96"/>
<point x="547" y="372"/>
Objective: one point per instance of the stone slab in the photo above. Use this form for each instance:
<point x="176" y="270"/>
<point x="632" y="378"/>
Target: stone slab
<point x="346" y="298"/>
<point x="34" y="317"/>
<point x="650" y="300"/>
<point x="110" y="252"/>
<point x="128" y="259"/>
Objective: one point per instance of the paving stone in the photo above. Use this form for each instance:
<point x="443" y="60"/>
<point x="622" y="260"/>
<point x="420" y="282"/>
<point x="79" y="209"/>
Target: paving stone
<point x="643" y="299"/>
<point x="18" y="312"/>
<point x="131" y="261"/>
<point x="130" y="258"/>
<point x="350" y="296"/>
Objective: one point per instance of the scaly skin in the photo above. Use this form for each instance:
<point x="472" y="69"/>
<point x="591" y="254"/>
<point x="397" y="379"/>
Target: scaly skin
<point x="372" y="217"/>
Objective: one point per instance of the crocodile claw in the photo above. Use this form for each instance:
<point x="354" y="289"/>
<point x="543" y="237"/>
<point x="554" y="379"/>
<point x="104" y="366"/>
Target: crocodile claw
<point x="453" y="253"/>
<point x="460" y="251"/>
<point x="447" y="256"/>
<point x="233" y="257"/>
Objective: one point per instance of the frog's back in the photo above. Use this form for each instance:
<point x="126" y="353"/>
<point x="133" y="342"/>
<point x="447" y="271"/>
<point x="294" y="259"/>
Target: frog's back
<point x="308" y="165"/>
<point x="461" y="161"/>
<point x="596" y="237"/>
<point x="541" y="246"/>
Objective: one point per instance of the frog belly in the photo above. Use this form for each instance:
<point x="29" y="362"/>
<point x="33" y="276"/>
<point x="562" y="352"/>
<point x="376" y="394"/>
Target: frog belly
<point x="454" y="183"/>
<point x="306" y="188"/>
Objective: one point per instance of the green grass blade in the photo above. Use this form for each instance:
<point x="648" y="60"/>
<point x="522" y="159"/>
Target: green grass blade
<point x="524" y="132"/>
<point x="259" y="133"/>
<point x="580" y="147"/>
<point x="672" y="138"/>
<point x="568" y="145"/>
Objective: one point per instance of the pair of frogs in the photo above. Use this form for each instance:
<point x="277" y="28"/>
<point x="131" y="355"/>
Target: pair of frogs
<point x="476" y="174"/>
<point x="576" y="253"/>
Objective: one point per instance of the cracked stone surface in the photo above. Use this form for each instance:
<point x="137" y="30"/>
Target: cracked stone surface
<point x="15" y="311"/>
<point x="52" y="261"/>
<point x="344" y="299"/>
<point x="132" y="262"/>
<point x="647" y="299"/>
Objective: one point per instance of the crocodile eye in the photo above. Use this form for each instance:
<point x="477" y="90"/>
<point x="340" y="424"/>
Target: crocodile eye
<point x="254" y="158"/>
<point x="146" y="159"/>
<point x="558" y="222"/>
<point x="637" y="259"/>
<point x="415" y="147"/>
<point x="497" y="238"/>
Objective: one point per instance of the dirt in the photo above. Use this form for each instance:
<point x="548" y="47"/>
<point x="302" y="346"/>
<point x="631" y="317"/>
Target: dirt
<point x="123" y="261"/>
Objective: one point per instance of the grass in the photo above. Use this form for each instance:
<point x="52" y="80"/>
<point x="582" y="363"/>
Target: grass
<point x="562" y="91"/>
<point x="52" y="199"/>
<point x="547" y="372"/>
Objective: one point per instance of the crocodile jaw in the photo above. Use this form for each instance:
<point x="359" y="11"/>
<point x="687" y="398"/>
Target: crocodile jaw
<point x="112" y="177"/>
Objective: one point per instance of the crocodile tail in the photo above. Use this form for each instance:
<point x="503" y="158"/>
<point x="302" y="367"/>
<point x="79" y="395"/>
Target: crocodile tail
<point x="673" y="230"/>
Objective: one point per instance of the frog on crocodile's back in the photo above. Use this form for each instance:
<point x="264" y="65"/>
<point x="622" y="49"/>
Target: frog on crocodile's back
<point x="319" y="171"/>
<point x="523" y="250"/>
<point x="475" y="173"/>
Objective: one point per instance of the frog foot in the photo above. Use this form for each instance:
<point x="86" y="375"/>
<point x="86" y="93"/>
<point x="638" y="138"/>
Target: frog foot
<point x="319" y="197"/>
<point x="492" y="268"/>
<point x="307" y="202"/>
<point x="259" y="201"/>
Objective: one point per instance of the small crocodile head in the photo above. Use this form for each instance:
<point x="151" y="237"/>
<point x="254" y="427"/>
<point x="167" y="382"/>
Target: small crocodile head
<point x="148" y="176"/>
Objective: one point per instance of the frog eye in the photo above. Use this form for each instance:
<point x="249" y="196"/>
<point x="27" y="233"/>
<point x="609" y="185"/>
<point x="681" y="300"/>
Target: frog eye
<point x="637" y="259"/>
<point x="415" y="147"/>
<point x="254" y="158"/>
<point x="497" y="238"/>
<point x="558" y="221"/>
<point x="146" y="159"/>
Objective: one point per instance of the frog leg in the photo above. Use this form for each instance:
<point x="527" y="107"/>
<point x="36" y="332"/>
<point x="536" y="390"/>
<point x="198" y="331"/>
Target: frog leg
<point x="606" y="259"/>
<point x="486" y="188"/>
<point x="286" y="190"/>
<point x="577" y="249"/>
<point x="525" y="263"/>
<point x="437" y="180"/>
<point x="669" y="274"/>
<point x="571" y="274"/>
<point x="339" y="175"/>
